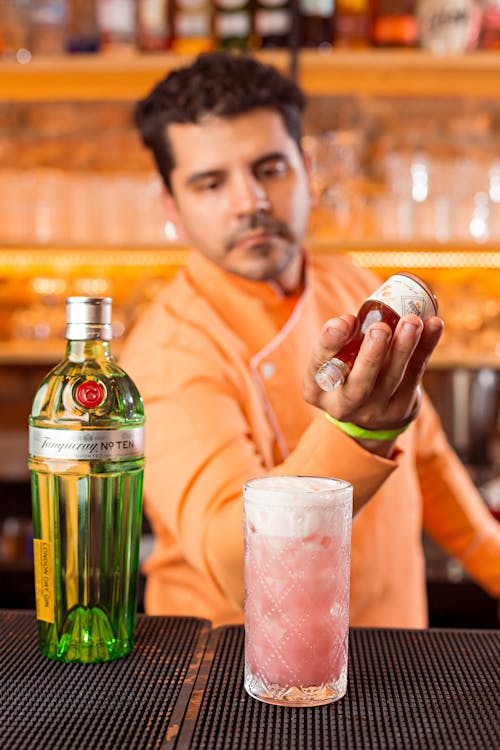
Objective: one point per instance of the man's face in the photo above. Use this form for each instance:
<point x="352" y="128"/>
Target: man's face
<point x="241" y="192"/>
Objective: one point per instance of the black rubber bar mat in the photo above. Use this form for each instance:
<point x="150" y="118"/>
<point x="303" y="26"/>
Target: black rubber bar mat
<point x="135" y="702"/>
<point x="407" y="690"/>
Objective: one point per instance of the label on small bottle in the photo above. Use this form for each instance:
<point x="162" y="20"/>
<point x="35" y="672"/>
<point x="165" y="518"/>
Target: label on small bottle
<point x="404" y="295"/>
<point x="86" y="445"/>
<point x="44" y="580"/>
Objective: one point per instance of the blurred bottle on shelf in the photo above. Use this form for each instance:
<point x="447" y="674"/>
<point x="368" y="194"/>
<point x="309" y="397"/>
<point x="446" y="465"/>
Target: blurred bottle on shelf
<point x="16" y="539"/>
<point x="116" y="24"/>
<point x="273" y="22"/>
<point x="152" y="29"/>
<point x="48" y="27"/>
<point x="82" y="31"/>
<point x="232" y="24"/>
<point x="189" y="24"/>
<point x="353" y="23"/>
<point x="448" y="26"/>
<point x="316" y="23"/>
<point x="490" y="29"/>
<point x="394" y="24"/>
<point x="14" y="29"/>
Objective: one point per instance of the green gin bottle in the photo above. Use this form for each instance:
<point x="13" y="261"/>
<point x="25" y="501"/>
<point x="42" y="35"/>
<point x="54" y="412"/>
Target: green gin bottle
<point x="86" y="458"/>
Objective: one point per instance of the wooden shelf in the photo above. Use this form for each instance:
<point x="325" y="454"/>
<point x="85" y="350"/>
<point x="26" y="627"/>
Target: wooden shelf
<point x="322" y="73"/>
<point x="400" y="73"/>
<point x="21" y="261"/>
<point x="64" y="259"/>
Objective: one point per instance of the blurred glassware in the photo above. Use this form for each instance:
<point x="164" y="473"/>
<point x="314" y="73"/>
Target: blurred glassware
<point x="43" y="319"/>
<point x="49" y="205"/>
<point x="338" y="183"/>
<point x="444" y="189"/>
<point x="81" y="201"/>
<point x="92" y="286"/>
<point x="396" y="173"/>
<point x="16" y="205"/>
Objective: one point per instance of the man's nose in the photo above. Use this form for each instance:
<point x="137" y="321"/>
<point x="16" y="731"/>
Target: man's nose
<point x="249" y="194"/>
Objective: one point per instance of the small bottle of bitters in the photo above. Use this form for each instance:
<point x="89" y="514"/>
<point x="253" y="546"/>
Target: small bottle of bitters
<point x="402" y="294"/>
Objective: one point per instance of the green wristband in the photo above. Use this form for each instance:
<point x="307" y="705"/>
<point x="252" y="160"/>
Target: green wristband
<point x="359" y="432"/>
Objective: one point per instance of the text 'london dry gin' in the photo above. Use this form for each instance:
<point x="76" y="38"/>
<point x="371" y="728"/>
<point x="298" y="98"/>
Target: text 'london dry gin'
<point x="86" y="457"/>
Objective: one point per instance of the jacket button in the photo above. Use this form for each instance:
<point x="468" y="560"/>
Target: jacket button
<point x="267" y="370"/>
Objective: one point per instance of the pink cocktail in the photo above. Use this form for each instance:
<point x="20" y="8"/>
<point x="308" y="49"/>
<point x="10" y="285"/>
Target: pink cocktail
<point x="297" y="555"/>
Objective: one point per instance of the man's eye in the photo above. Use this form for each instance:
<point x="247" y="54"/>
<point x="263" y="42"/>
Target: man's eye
<point x="207" y="185"/>
<point x="273" y="169"/>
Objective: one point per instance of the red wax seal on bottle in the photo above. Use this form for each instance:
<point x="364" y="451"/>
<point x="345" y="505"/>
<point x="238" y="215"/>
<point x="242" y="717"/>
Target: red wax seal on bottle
<point x="90" y="394"/>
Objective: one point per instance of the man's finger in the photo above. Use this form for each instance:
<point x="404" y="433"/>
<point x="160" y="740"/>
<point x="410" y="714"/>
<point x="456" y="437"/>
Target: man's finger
<point x="404" y="343"/>
<point x="433" y="330"/>
<point x="334" y="334"/>
<point x="367" y="365"/>
<point x="415" y="369"/>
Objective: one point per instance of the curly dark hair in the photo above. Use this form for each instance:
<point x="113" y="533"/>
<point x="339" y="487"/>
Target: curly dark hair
<point x="220" y="84"/>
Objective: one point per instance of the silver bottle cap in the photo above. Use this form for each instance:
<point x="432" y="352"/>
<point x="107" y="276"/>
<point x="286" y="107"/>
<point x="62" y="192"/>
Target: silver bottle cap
<point x="88" y="318"/>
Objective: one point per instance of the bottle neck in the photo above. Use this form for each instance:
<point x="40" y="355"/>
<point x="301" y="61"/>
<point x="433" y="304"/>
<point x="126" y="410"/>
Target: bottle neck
<point x="78" y="351"/>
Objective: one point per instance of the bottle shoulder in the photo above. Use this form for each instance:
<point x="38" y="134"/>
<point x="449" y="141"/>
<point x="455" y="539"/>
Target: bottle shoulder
<point x="87" y="393"/>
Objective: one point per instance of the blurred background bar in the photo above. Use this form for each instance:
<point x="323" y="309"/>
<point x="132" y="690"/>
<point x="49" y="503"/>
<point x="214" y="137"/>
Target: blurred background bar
<point x="403" y="134"/>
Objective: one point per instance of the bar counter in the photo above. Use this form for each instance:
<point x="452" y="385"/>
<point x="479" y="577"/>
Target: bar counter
<point x="182" y="687"/>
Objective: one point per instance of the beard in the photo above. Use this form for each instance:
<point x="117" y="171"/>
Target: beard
<point x="253" y="222"/>
<point x="262" y="261"/>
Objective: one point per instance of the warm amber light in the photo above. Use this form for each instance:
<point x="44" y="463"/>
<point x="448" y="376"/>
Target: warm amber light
<point x="424" y="259"/>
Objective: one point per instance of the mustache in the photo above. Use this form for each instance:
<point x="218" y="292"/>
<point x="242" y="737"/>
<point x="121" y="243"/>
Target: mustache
<point x="259" y="220"/>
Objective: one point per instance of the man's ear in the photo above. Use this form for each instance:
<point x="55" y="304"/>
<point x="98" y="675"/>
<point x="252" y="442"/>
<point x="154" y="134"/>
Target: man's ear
<point x="173" y="225"/>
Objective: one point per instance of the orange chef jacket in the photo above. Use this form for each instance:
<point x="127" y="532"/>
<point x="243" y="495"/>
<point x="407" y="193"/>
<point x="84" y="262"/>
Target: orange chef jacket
<point x="220" y="361"/>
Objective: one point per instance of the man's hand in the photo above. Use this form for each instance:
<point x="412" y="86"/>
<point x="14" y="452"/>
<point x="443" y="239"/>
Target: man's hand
<point x="382" y="391"/>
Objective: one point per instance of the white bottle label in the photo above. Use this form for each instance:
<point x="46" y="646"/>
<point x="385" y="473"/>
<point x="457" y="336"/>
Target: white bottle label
<point x="86" y="445"/>
<point x="273" y="21"/>
<point x="116" y="16"/>
<point x="404" y="295"/>
<point x="232" y="24"/>
<point x="192" y="25"/>
<point x="322" y="8"/>
<point x="153" y="15"/>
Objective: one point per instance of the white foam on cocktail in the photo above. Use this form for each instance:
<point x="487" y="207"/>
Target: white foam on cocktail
<point x="293" y="507"/>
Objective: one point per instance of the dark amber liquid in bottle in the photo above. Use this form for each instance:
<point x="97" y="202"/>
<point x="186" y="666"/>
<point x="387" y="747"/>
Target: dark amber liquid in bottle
<point x="353" y="23"/>
<point x="394" y="24"/>
<point x="369" y="312"/>
<point x="316" y="24"/>
<point x="333" y="373"/>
